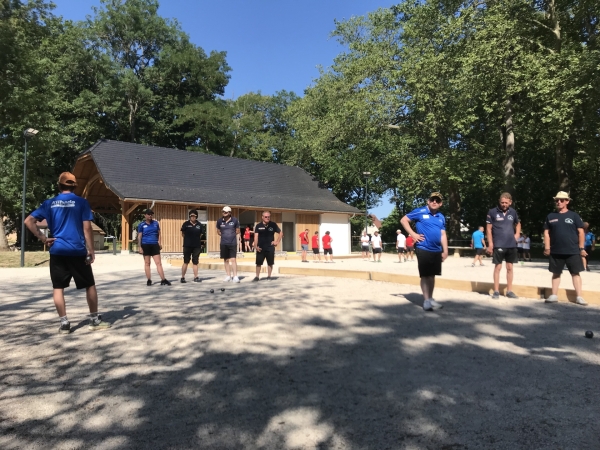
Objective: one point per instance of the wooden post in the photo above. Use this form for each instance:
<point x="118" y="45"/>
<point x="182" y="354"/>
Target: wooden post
<point x="125" y="228"/>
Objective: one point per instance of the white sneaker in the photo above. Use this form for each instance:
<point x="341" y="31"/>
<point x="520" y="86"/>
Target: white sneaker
<point x="580" y="301"/>
<point x="236" y="280"/>
<point x="431" y="305"/>
<point x="227" y="279"/>
<point x="552" y="299"/>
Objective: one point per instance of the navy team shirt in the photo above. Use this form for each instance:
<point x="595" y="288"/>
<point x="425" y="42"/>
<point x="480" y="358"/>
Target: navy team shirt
<point x="228" y="230"/>
<point x="503" y="227"/>
<point x="430" y="226"/>
<point x="65" y="215"/>
<point x="149" y="232"/>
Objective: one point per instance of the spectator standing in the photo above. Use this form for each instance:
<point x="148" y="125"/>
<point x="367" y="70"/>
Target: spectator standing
<point x="69" y="219"/>
<point x="432" y="245"/>
<point x="410" y="247"/>
<point x="503" y="230"/>
<point x="247" y="243"/>
<point x="526" y="247"/>
<point x="228" y="228"/>
<point x="191" y="231"/>
<point x="364" y="245"/>
<point x="315" y="247"/>
<point x="590" y="245"/>
<point x="401" y="245"/>
<point x="376" y="245"/>
<point x="304" y="244"/>
<point x="564" y="240"/>
<point x="327" y="250"/>
<point x="520" y="246"/>
<point x="478" y="243"/>
<point x="265" y="243"/>
<point x="149" y="246"/>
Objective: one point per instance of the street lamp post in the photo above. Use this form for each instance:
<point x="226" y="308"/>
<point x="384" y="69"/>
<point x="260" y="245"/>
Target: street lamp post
<point x="29" y="132"/>
<point x="366" y="175"/>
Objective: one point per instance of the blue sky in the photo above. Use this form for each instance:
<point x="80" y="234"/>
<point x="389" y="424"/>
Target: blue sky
<point x="271" y="45"/>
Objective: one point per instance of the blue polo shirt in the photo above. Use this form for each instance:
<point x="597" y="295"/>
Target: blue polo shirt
<point x="589" y="239"/>
<point x="149" y="232"/>
<point x="477" y="237"/>
<point x="430" y="226"/>
<point x="65" y="215"/>
<point x="228" y="230"/>
<point x="503" y="227"/>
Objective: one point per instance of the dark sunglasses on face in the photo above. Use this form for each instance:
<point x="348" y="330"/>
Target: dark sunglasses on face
<point x="435" y="200"/>
<point x="266" y="217"/>
<point x="560" y="200"/>
<point x="193" y="216"/>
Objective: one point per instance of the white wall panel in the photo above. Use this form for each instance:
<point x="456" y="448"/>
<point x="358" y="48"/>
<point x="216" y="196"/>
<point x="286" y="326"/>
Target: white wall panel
<point x="339" y="227"/>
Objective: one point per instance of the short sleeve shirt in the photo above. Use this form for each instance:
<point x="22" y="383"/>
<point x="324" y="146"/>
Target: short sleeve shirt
<point x="564" y="237"/>
<point x="429" y="225"/>
<point x="477" y="237"/>
<point x="589" y="239"/>
<point x="364" y="240"/>
<point x="191" y="234"/>
<point x="149" y="231"/>
<point x="266" y="234"/>
<point x="400" y="241"/>
<point x="376" y="241"/>
<point x="527" y="244"/>
<point x="503" y="227"/>
<point x="315" y="241"/>
<point x="409" y="241"/>
<point x="303" y="238"/>
<point x="228" y="230"/>
<point x="326" y="241"/>
<point x="65" y="215"/>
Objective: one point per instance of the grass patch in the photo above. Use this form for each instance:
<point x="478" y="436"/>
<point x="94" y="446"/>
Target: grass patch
<point x="32" y="259"/>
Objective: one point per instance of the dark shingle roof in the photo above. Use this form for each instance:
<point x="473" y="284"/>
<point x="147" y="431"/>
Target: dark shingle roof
<point x="134" y="171"/>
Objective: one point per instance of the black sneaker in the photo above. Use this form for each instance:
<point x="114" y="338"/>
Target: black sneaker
<point x="255" y="279"/>
<point x="149" y="283"/>
<point x="183" y="280"/>
<point x="65" y="328"/>
<point x="165" y="282"/>
<point x="197" y="280"/>
<point x="496" y="295"/>
<point x="511" y="294"/>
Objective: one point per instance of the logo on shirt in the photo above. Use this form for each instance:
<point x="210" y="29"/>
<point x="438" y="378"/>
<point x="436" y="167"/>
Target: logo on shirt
<point x="510" y="218"/>
<point x="270" y="228"/>
<point x="425" y="216"/>
<point x="568" y="220"/>
<point x="553" y="220"/>
<point x="63" y="204"/>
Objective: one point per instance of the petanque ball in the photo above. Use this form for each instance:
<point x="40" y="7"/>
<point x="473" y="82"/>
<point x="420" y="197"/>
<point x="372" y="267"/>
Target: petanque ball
<point x="222" y="289"/>
<point x="589" y="334"/>
<point x="212" y="291"/>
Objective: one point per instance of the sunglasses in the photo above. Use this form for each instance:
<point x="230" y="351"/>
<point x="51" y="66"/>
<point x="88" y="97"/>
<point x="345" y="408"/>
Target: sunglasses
<point x="266" y="217"/>
<point x="435" y="200"/>
<point x="193" y="215"/>
<point x="560" y="200"/>
<point x="226" y="212"/>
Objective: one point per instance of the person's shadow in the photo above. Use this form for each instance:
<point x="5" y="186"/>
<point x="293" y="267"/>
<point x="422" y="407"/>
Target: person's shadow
<point x="111" y="317"/>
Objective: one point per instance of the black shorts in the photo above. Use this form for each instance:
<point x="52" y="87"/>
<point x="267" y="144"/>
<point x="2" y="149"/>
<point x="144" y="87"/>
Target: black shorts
<point x="479" y="251"/>
<point x="151" y="249"/>
<point x="574" y="264"/>
<point x="510" y="255"/>
<point x="520" y="250"/>
<point x="269" y="255"/>
<point x="191" y="253"/>
<point x="365" y="248"/>
<point x="228" y="251"/>
<point x="328" y="251"/>
<point x="430" y="263"/>
<point x="63" y="268"/>
<point x="588" y="250"/>
<point x="316" y="251"/>
<point x="401" y="250"/>
<point x="410" y="248"/>
<point x="377" y="250"/>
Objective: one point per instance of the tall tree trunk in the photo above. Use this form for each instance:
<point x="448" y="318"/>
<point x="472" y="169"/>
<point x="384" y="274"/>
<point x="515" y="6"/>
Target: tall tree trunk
<point x="455" y="204"/>
<point x="509" y="148"/>
<point x="564" y="153"/>
<point x="3" y="240"/>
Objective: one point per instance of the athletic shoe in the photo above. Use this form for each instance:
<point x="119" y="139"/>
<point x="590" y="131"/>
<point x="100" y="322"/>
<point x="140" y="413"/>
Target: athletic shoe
<point x="183" y="280"/>
<point x="269" y="279"/>
<point x="496" y="295"/>
<point x="65" y="328"/>
<point x="197" y="280"/>
<point x="255" y="279"/>
<point x="98" y="324"/>
<point x="431" y="305"/>
<point x="237" y="280"/>
<point x="149" y="283"/>
<point x="511" y="294"/>
<point x="165" y="282"/>
<point x="580" y="301"/>
<point x="481" y="265"/>
<point x="552" y="299"/>
<point x="305" y="261"/>
<point x="587" y="269"/>
<point x="472" y="265"/>
<point x="226" y="279"/>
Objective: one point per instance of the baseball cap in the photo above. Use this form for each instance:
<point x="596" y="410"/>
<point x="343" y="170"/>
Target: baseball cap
<point x="398" y="231"/>
<point x="226" y="209"/>
<point x="562" y="194"/>
<point x="68" y="179"/>
<point x="148" y="211"/>
<point x="436" y="194"/>
<point x="193" y="212"/>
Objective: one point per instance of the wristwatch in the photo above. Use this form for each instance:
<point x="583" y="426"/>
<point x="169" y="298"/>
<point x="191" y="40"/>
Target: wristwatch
<point x="581" y="249"/>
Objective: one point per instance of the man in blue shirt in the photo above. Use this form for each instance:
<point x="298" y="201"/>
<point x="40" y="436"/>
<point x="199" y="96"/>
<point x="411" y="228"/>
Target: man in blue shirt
<point x="503" y="230"/>
<point x="431" y="245"/>
<point x="69" y="219"/>
<point x="478" y="243"/>
<point x="228" y="228"/>
<point x="590" y="244"/>
<point x="149" y="245"/>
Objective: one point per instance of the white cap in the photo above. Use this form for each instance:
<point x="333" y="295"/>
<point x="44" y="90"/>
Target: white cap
<point x="226" y="209"/>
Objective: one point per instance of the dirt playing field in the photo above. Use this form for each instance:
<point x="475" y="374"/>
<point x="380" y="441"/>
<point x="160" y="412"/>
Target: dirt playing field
<point x="293" y="363"/>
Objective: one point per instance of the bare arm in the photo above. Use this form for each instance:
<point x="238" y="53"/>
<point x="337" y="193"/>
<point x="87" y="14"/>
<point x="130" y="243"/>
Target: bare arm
<point x="488" y="232"/>
<point x="279" y="238"/>
<point x="546" y="242"/>
<point x="258" y="249"/>
<point x="444" y="245"/>
<point x="518" y="232"/>
<point x="89" y="239"/>
<point x="139" y="242"/>
<point x="405" y="222"/>
<point x="581" y="234"/>
<point x="159" y="244"/>
<point x="31" y="224"/>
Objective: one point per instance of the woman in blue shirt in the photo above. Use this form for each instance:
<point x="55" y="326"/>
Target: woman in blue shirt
<point x="149" y="246"/>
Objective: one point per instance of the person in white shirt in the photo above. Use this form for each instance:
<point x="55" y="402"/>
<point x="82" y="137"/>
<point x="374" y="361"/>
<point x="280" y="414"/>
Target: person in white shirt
<point x="376" y="244"/>
<point x="364" y="245"/>
<point x="401" y="245"/>
<point x="526" y="248"/>
<point x="520" y="246"/>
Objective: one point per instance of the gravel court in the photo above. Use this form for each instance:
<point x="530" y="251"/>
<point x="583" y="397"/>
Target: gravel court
<point x="294" y="363"/>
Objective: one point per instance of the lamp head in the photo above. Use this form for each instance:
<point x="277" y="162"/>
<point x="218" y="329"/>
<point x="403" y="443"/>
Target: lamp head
<point x="30" y="132"/>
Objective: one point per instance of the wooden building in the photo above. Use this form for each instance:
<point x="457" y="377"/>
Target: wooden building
<point x="125" y="178"/>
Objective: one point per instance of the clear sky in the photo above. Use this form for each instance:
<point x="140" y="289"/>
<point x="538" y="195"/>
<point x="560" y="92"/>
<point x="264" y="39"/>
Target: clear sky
<point x="271" y="45"/>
